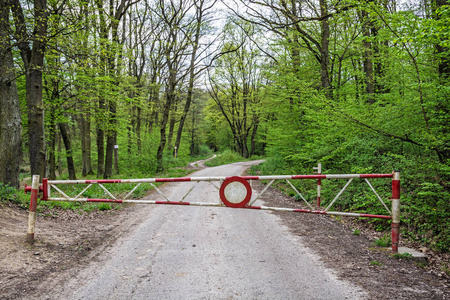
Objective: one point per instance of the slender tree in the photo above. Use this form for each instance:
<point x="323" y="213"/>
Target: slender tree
<point x="32" y="48"/>
<point x="10" y="118"/>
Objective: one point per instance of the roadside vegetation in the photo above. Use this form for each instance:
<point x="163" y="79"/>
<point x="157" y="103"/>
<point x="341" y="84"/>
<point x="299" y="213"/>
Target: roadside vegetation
<point x="228" y="157"/>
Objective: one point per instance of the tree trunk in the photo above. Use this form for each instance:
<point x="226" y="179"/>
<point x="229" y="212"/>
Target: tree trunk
<point x="52" y="150"/>
<point x="324" y="49"/>
<point x="60" y="166"/>
<point x="172" y="122"/>
<point x="187" y="105"/>
<point x="36" y="135"/>
<point x="162" y="141"/>
<point x="192" y="146"/>
<point x="443" y="107"/>
<point x="88" y="142"/>
<point x="138" y="130"/>
<point x="253" y="137"/>
<point x="83" y="146"/>
<point x="116" y="155"/>
<point x="109" y="155"/>
<point x="444" y="60"/>
<point x="85" y="122"/>
<point x="153" y="101"/>
<point x="10" y="118"/>
<point x="34" y="63"/>
<point x="63" y="128"/>
<point x="130" y="126"/>
<point x="110" y="140"/>
<point x="368" y="56"/>
<point x="100" y="150"/>
<point x="101" y="98"/>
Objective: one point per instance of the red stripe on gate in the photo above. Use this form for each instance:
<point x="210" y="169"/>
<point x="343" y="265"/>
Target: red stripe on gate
<point x="172" y="203"/>
<point x="376" y="175"/>
<point x="395" y="234"/>
<point x="308" y="176"/>
<point x="252" y="207"/>
<point x="104" y="181"/>
<point x="248" y="177"/>
<point x="395" y="189"/>
<point x="104" y="200"/>
<point x="375" y="216"/>
<point x="33" y="203"/>
<point x="172" y="179"/>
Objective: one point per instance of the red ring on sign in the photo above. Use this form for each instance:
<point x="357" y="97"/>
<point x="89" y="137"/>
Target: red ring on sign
<point x="233" y="204"/>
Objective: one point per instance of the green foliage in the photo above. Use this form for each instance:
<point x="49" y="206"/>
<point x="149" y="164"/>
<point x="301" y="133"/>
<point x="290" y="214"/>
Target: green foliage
<point x="446" y="268"/>
<point x="375" y="263"/>
<point x="427" y="210"/>
<point x="8" y="193"/>
<point x="226" y="157"/>
<point x="402" y="256"/>
<point x="204" y="151"/>
<point x="104" y="206"/>
<point x="385" y="241"/>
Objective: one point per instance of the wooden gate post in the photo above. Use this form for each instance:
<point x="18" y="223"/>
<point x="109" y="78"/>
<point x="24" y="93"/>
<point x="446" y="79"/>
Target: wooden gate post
<point x="33" y="205"/>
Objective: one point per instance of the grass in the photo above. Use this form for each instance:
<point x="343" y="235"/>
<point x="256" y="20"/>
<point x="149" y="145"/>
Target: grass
<point x="10" y="194"/>
<point x="446" y="268"/>
<point x="402" y="255"/>
<point x="227" y="157"/>
<point x="375" y="263"/>
<point x="385" y="241"/>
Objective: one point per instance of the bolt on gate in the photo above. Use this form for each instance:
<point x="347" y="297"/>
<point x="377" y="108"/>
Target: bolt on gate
<point x="234" y="192"/>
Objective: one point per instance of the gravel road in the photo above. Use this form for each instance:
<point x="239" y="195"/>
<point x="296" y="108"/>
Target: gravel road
<point x="182" y="252"/>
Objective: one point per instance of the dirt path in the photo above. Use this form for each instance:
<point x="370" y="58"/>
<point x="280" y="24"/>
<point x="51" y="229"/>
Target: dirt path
<point x="67" y="241"/>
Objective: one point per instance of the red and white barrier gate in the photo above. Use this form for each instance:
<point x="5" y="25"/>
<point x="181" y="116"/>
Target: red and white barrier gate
<point x="234" y="192"/>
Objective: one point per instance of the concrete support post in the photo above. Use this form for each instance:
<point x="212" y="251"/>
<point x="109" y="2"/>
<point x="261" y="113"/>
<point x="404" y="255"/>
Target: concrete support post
<point x="33" y="206"/>
<point x="395" y="211"/>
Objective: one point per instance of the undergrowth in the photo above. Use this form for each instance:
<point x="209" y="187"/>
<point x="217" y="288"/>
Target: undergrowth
<point x="425" y="192"/>
<point x="226" y="157"/>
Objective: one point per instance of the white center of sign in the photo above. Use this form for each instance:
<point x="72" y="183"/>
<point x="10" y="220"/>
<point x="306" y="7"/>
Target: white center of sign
<point x="235" y="192"/>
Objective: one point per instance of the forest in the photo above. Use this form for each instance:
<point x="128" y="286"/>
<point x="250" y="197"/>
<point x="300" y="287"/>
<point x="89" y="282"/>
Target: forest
<point x="120" y="88"/>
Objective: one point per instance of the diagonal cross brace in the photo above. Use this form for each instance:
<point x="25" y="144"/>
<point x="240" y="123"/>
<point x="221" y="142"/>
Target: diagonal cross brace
<point x="298" y="193"/>
<point x="379" y="198"/>
<point x="159" y="191"/>
<point x="262" y="192"/>
<point x="340" y="192"/>
<point x="106" y="191"/>
<point x="128" y="195"/>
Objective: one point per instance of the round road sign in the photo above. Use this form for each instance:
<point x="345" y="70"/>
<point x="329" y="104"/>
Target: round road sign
<point x="235" y="192"/>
